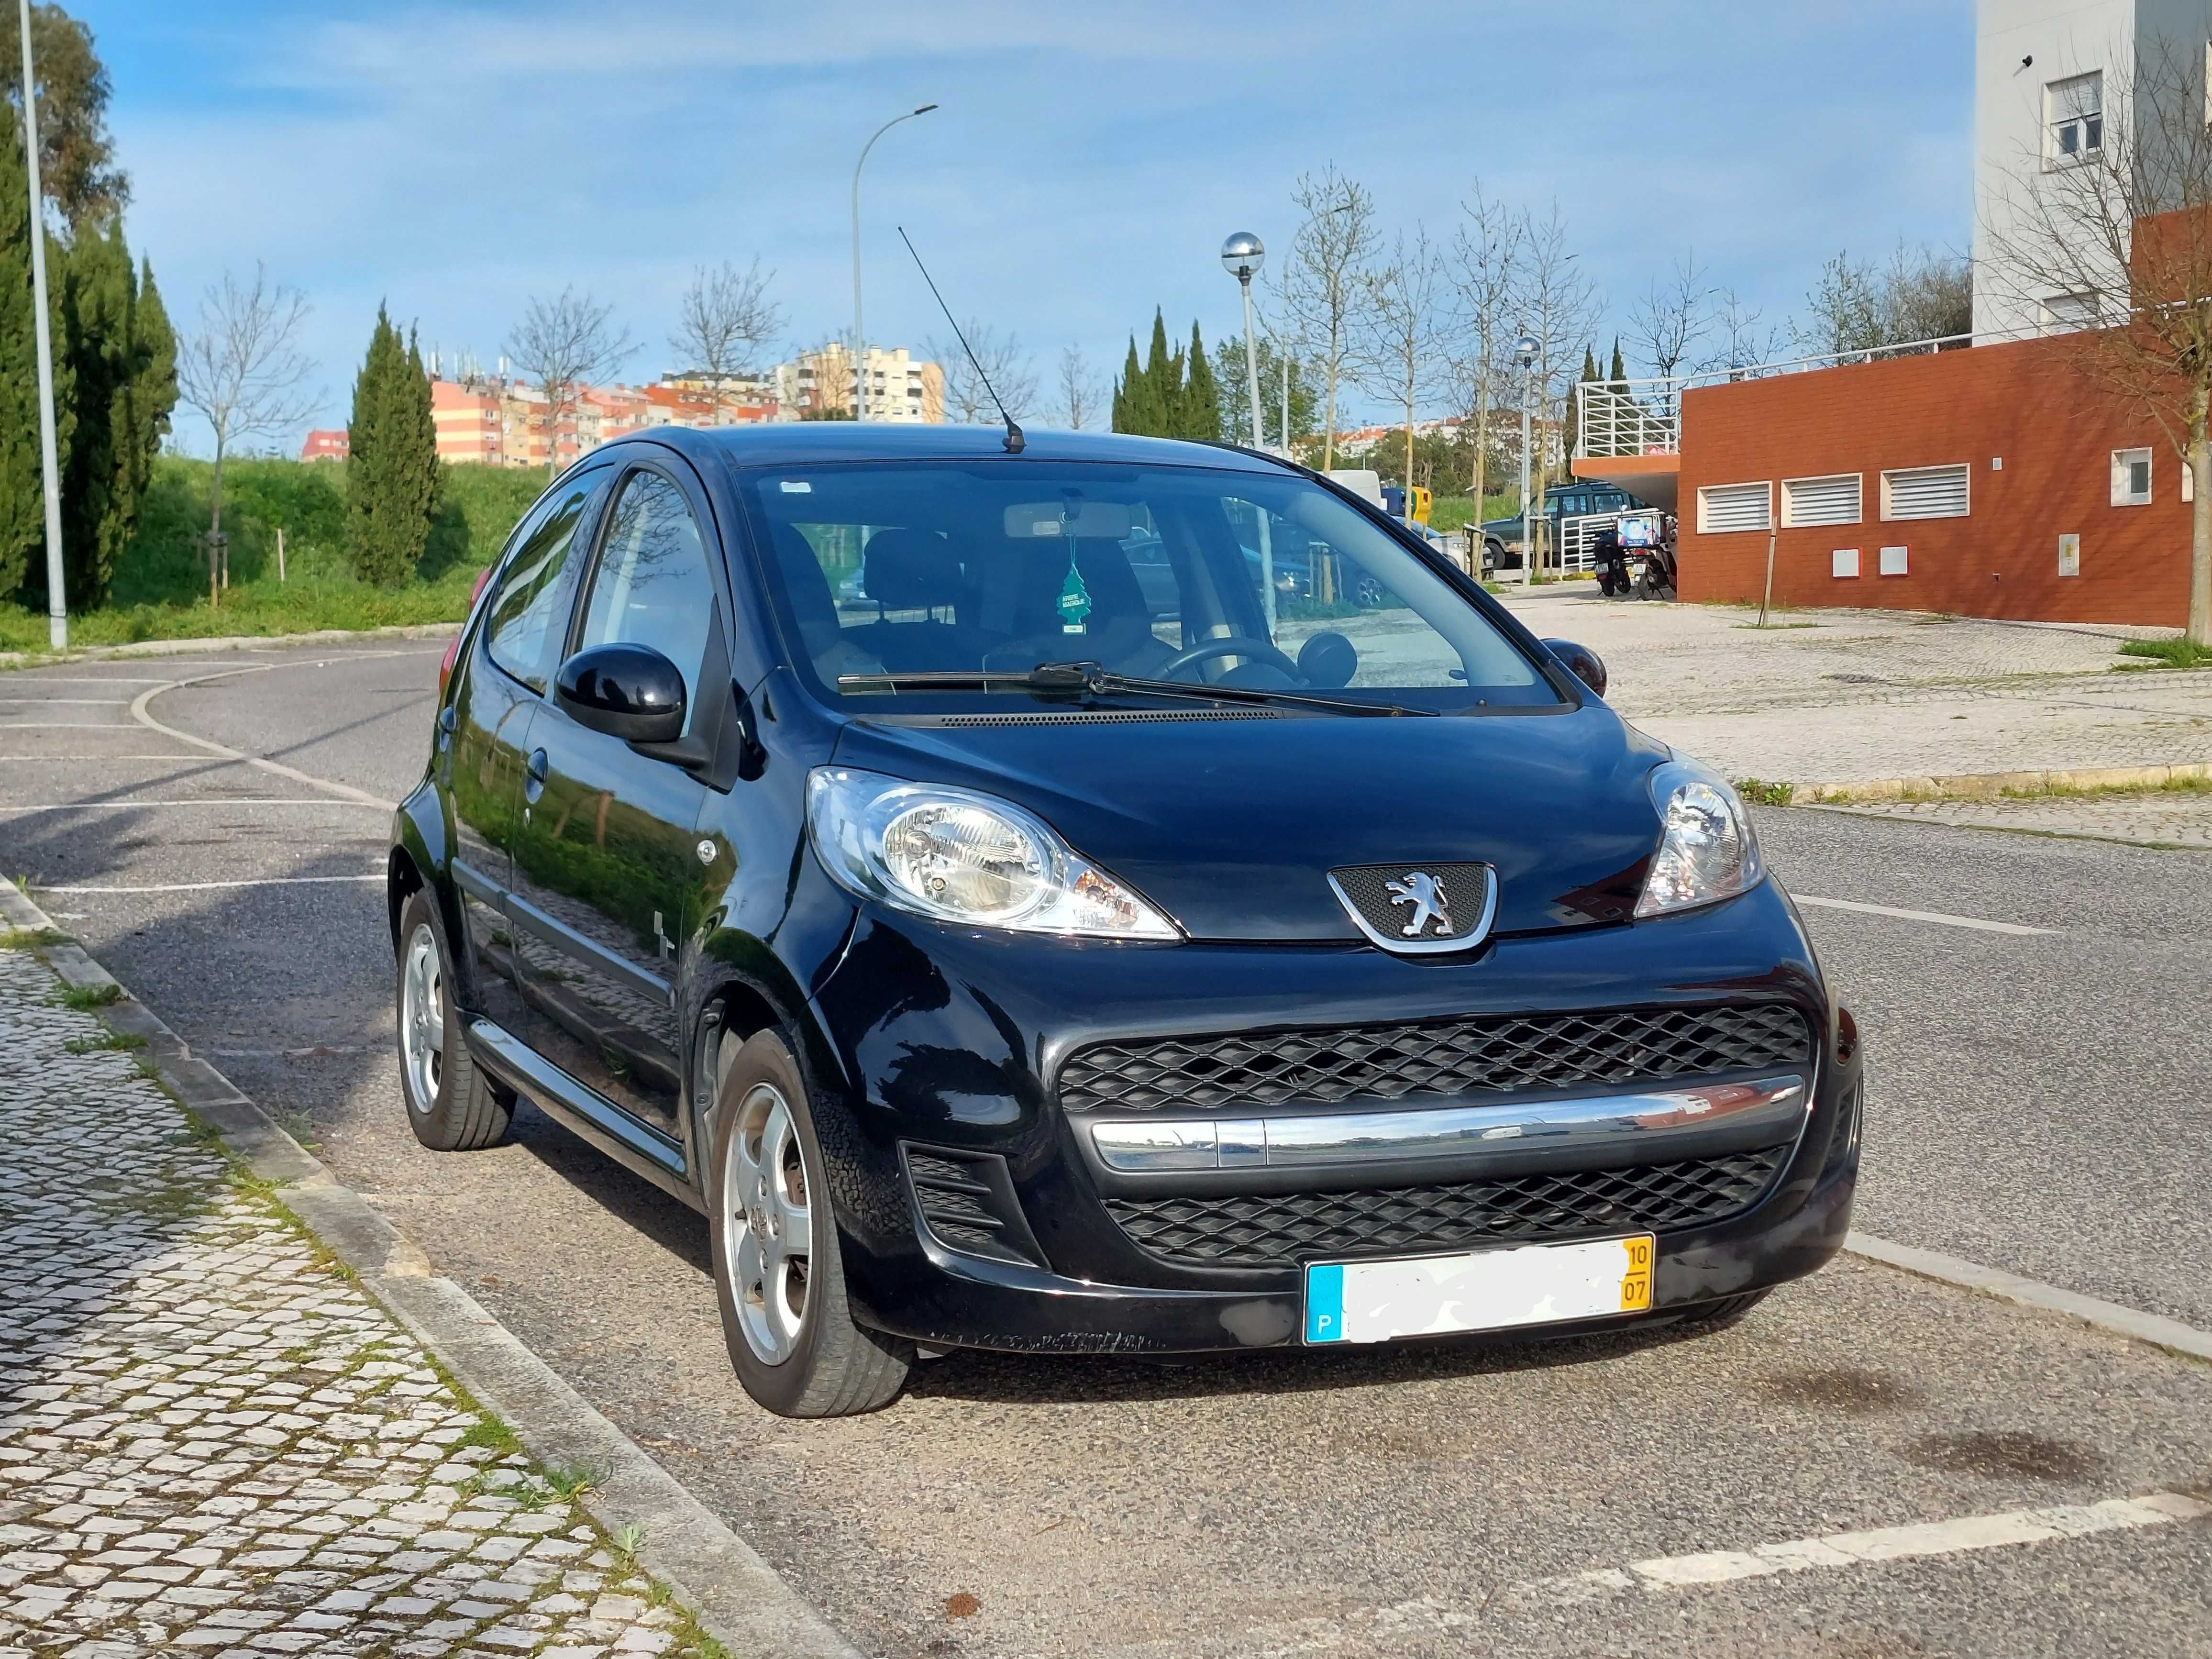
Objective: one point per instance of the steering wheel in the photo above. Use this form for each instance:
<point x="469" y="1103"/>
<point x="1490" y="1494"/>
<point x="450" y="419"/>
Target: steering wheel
<point x="1207" y="650"/>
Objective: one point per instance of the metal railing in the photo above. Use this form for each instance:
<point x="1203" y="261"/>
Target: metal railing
<point x="1577" y="540"/>
<point x="1614" y="418"/>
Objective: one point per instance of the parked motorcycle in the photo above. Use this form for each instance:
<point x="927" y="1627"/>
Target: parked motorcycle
<point x="1646" y="541"/>
<point x="1610" y="558"/>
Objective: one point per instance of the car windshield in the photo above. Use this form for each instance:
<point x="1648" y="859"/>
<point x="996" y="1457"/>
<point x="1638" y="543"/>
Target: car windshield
<point x="1248" y="581"/>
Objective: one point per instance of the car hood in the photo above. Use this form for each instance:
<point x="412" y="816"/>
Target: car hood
<point x="1231" y="825"/>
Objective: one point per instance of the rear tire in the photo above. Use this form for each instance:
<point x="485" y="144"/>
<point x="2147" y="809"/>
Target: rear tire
<point x="451" y="1106"/>
<point x="778" y="1274"/>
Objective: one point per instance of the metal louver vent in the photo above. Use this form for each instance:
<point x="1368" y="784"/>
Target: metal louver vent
<point x="1926" y="492"/>
<point x="1723" y="508"/>
<point x="1808" y="501"/>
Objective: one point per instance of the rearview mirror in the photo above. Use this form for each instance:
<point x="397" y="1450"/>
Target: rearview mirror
<point x="627" y="692"/>
<point x="1581" y="661"/>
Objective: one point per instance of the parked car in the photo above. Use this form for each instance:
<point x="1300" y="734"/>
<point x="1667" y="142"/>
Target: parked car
<point x="1014" y="971"/>
<point x="1504" y="540"/>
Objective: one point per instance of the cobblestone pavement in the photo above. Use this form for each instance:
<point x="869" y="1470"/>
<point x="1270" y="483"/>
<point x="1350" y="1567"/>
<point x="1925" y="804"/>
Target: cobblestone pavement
<point x="212" y="1442"/>
<point x="1838" y="697"/>
<point x="2153" y="819"/>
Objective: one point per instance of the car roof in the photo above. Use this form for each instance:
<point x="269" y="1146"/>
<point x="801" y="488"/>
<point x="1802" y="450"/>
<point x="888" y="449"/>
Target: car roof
<point x="794" y="443"/>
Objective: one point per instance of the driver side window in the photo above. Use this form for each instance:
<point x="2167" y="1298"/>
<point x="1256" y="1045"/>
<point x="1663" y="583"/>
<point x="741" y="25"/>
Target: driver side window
<point x="652" y="586"/>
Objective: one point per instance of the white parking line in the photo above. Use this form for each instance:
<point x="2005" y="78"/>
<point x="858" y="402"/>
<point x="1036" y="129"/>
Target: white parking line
<point x="345" y="791"/>
<point x="209" y="800"/>
<point x="70" y="702"/>
<point x="214" y="886"/>
<point x="64" y="726"/>
<point x="1857" y="1549"/>
<point x="93" y="760"/>
<point x="1936" y="916"/>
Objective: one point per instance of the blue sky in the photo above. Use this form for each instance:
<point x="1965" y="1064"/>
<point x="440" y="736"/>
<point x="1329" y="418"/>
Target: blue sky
<point x="1087" y="159"/>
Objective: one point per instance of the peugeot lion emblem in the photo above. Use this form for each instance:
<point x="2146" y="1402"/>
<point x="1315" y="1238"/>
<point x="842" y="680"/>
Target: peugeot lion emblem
<point x="1418" y="910"/>
<point x="1430" y="902"/>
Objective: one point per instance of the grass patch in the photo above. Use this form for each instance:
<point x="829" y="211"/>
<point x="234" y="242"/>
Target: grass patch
<point x="488" y="1432"/>
<point x="1770" y="627"/>
<point x="86" y="998"/>
<point x="2174" y="654"/>
<point x="1761" y="792"/>
<point x="113" y="1043"/>
<point x="2171" y="787"/>
<point x="31" y="939"/>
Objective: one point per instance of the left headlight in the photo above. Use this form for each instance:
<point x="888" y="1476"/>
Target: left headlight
<point x="1706" y="850"/>
<point x="961" y="856"/>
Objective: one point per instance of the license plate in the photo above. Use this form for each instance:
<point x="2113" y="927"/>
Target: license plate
<point x="1477" y="1291"/>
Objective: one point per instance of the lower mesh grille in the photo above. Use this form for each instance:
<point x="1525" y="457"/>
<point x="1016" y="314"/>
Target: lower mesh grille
<point x="1281" y="1230"/>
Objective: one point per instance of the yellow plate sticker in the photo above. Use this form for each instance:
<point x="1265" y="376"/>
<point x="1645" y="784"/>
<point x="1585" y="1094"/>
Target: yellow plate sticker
<point x="1635" y="1283"/>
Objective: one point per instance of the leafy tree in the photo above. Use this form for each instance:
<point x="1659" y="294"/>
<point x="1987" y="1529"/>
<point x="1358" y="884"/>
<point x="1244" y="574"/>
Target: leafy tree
<point x="22" y="487"/>
<point x="77" y="158"/>
<point x="1229" y="374"/>
<point x="1200" y="403"/>
<point x="122" y="356"/>
<point x="391" y="477"/>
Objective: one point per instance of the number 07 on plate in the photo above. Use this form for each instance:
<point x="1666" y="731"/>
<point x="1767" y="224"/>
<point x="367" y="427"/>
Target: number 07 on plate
<point x="1490" y="1289"/>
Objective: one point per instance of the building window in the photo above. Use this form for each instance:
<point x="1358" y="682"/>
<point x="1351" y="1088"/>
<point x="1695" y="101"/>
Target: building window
<point x="2063" y="313"/>
<point x="2131" y="477"/>
<point x="1723" y="508"/>
<point x="2074" y="119"/>
<point x="1926" y="492"/>
<point x="1834" y="500"/>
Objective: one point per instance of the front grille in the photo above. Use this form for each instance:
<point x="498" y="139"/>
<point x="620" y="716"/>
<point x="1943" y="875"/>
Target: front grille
<point x="1474" y="1055"/>
<point x="1281" y="1229"/>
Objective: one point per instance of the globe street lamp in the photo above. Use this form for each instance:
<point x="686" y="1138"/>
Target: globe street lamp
<point x="860" y="336"/>
<point x="1524" y="353"/>
<point x="1241" y="257"/>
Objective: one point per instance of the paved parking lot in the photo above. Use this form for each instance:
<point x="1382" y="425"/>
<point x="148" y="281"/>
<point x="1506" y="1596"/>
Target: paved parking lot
<point x="2036" y="1104"/>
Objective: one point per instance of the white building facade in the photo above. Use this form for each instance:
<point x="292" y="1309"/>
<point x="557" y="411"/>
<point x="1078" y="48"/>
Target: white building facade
<point x="2046" y="75"/>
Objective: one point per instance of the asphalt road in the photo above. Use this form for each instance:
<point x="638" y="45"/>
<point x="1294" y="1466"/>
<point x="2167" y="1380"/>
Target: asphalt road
<point x="2038" y="1104"/>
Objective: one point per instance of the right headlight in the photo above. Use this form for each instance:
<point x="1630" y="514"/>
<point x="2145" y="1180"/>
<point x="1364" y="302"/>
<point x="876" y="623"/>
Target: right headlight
<point x="1706" y="850"/>
<point x="962" y="856"/>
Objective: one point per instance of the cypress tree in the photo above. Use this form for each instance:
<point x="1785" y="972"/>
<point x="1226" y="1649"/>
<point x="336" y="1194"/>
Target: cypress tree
<point x="1619" y="375"/>
<point x="122" y="358"/>
<point x="1125" y="390"/>
<point x="23" y="491"/>
<point x="1201" y="396"/>
<point x="1162" y="384"/>
<point x="392" y="472"/>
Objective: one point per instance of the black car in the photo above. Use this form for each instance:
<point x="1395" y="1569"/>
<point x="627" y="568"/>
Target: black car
<point x="1033" y="959"/>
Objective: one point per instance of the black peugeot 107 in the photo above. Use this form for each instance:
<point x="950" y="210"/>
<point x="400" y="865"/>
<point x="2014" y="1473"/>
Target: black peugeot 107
<point x="1160" y="907"/>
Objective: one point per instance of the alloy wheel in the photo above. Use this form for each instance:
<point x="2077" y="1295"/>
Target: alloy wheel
<point x="768" y="1221"/>
<point x="422" y="1020"/>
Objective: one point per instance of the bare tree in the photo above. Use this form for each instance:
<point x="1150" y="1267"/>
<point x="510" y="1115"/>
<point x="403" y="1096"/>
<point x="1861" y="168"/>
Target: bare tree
<point x="566" y="343"/>
<point x="1079" y="387"/>
<point x="1740" y="345"/>
<point x="1484" y="272"/>
<point x="1324" y="279"/>
<point x="1668" y="321"/>
<point x="242" y="369"/>
<point x="722" y="321"/>
<point x="2119" y="234"/>
<point x="967" y="400"/>
<point x="1396" y="346"/>
<point x="1559" y="306"/>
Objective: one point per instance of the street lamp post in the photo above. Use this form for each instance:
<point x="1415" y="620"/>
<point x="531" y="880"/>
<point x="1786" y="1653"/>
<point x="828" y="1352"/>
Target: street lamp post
<point x="1242" y="256"/>
<point x="1524" y="353"/>
<point x="859" y="334"/>
<point x="49" y="462"/>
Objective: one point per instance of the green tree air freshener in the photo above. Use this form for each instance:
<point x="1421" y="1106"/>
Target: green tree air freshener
<point x="1074" y="601"/>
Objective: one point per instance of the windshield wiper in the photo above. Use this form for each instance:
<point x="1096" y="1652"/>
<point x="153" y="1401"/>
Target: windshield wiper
<point x="1094" y="679"/>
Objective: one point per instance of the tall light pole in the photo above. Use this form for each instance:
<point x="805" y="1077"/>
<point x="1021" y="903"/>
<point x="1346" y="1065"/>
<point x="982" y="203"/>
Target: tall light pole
<point x="49" y="464"/>
<point x="859" y="334"/>
<point x="1524" y="353"/>
<point x="1242" y="256"/>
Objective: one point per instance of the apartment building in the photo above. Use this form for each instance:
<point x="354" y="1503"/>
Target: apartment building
<point x="900" y="387"/>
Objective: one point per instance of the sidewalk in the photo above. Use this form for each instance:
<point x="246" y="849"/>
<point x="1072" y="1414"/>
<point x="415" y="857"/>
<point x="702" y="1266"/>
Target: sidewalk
<point x="1852" y="696"/>
<point x="212" y="1441"/>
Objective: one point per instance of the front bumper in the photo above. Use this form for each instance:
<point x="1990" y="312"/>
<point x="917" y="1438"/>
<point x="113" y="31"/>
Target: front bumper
<point x="935" y="1051"/>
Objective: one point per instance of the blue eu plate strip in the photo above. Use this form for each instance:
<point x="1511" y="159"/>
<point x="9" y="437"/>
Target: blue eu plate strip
<point x="1325" y="1302"/>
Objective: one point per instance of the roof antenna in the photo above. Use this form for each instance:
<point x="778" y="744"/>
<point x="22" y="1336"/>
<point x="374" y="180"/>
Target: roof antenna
<point x="1014" y="439"/>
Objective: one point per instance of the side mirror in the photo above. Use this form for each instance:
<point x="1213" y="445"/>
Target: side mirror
<point x="1581" y="661"/>
<point x="627" y="692"/>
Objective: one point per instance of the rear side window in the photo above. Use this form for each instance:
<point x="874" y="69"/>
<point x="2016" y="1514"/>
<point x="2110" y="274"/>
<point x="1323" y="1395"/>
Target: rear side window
<point x="529" y="618"/>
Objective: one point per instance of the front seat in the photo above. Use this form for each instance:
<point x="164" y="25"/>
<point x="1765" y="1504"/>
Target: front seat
<point x="916" y="570"/>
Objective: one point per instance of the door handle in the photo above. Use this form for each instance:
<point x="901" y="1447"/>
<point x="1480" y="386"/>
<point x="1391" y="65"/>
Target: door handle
<point x="533" y="775"/>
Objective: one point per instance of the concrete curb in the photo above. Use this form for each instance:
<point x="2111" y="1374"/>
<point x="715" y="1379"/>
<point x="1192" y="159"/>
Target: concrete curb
<point x="2160" y="1331"/>
<point x="226" y="642"/>
<point x="1983" y="786"/>
<point x="738" y="1598"/>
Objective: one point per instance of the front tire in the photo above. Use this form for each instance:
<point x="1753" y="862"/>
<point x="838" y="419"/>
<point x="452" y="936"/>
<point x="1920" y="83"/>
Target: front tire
<point x="778" y="1274"/>
<point x="451" y="1106"/>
